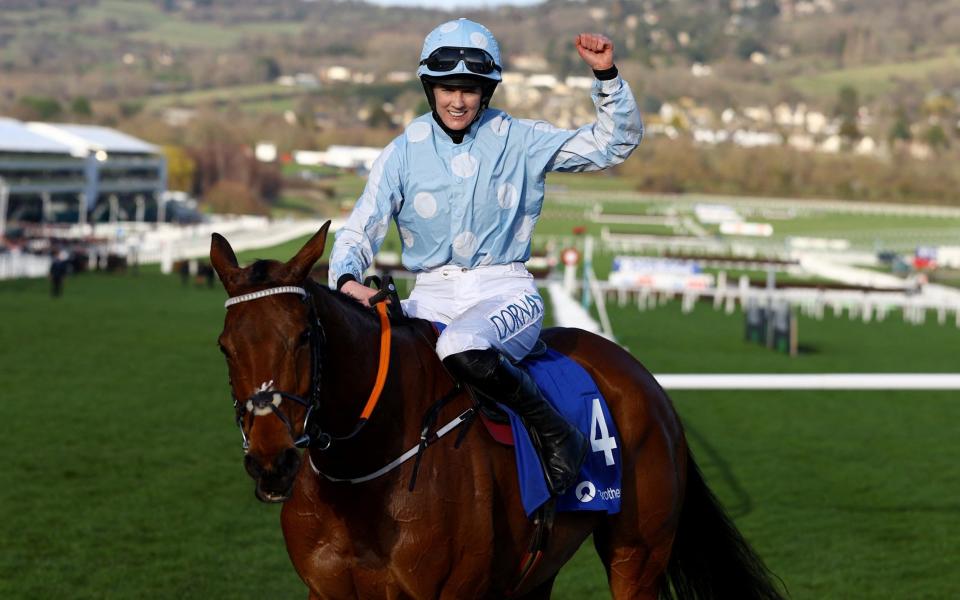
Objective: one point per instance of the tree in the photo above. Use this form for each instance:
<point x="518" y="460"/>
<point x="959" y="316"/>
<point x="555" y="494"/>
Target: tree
<point x="234" y="197"/>
<point x="130" y="108"/>
<point x="181" y="168"/>
<point x="379" y="117"/>
<point x="900" y="130"/>
<point x="847" y="108"/>
<point x="80" y="106"/>
<point x="848" y="103"/>
<point x="269" y="68"/>
<point x="42" y="108"/>
<point x="935" y="137"/>
<point x="747" y="46"/>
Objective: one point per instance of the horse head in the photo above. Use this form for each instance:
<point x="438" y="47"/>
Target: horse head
<point x="271" y="339"/>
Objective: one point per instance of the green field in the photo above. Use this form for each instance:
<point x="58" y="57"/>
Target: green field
<point x="240" y="93"/>
<point x="874" y="80"/>
<point x="123" y="474"/>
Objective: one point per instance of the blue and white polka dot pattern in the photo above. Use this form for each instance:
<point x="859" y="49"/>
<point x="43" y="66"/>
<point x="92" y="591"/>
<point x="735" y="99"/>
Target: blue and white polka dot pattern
<point x="464" y="165"/>
<point x="477" y="203"/>
<point x="418" y="131"/>
<point x="461" y="33"/>
<point x="425" y="205"/>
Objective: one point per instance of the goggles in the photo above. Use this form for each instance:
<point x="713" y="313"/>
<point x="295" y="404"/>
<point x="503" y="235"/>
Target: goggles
<point x="447" y="58"/>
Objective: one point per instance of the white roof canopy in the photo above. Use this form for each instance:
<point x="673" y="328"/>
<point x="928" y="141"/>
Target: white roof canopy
<point x="65" y="138"/>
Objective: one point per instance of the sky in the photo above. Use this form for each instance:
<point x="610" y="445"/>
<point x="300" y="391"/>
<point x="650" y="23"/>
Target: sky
<point x="455" y="3"/>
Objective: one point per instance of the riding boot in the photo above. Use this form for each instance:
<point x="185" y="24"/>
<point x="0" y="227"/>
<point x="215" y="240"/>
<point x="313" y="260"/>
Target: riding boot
<point x="561" y="447"/>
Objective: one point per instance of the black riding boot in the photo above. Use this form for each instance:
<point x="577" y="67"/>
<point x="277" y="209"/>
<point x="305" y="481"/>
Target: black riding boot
<point x="562" y="448"/>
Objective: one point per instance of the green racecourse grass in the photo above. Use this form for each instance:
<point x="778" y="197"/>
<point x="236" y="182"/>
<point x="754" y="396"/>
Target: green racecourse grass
<point x="122" y="473"/>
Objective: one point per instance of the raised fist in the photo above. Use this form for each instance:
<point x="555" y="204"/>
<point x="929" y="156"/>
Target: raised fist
<point x="595" y="49"/>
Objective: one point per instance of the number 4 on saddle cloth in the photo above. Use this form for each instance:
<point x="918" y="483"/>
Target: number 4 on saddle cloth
<point x="568" y="387"/>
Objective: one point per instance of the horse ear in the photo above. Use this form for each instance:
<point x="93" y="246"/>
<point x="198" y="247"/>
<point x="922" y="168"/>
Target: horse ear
<point x="311" y="252"/>
<point x="222" y="258"/>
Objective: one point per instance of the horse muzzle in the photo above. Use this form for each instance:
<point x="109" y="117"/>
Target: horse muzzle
<point x="274" y="483"/>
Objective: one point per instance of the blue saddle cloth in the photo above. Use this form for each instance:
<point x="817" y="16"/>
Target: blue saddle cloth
<point x="568" y="387"/>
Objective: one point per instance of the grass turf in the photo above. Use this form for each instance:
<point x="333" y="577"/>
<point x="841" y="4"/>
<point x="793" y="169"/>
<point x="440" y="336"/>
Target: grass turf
<point x="123" y="476"/>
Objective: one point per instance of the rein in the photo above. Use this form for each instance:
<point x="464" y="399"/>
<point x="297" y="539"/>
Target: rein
<point x="266" y="400"/>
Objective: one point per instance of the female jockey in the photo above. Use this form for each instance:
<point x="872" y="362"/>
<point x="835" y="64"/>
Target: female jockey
<point x="465" y="186"/>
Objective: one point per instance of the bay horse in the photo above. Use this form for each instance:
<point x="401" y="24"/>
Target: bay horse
<point x="302" y="361"/>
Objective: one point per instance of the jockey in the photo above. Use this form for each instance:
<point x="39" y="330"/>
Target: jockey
<point x="465" y="185"/>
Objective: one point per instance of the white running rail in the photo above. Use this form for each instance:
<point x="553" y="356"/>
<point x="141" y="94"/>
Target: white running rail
<point x="812" y="381"/>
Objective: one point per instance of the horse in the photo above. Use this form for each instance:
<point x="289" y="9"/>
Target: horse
<point x="305" y="363"/>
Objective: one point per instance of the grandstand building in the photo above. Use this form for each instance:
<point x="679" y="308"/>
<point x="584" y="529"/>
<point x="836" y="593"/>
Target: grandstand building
<point x="52" y="172"/>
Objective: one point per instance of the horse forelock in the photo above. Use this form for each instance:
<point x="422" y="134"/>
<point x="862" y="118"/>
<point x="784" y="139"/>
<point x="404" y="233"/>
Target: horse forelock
<point x="263" y="271"/>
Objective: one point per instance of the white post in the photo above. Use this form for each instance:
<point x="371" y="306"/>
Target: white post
<point x="141" y="207"/>
<point x="82" y="215"/>
<point x="587" y="268"/>
<point x="644" y="293"/>
<point x="4" y="194"/>
<point x="721" y="289"/>
<point x="114" y="208"/>
<point x="47" y="211"/>
<point x="569" y="278"/>
<point x="166" y="257"/>
<point x="161" y="207"/>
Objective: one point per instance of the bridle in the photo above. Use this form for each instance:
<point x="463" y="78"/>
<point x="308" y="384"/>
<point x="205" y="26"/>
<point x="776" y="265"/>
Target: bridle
<point x="265" y="400"/>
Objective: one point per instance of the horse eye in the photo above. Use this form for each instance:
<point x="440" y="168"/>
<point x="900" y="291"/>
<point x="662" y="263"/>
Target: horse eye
<point x="304" y="337"/>
<point x="225" y="352"/>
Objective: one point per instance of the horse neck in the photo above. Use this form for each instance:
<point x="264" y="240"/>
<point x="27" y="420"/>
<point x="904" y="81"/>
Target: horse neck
<point x="352" y="357"/>
<point x="415" y="380"/>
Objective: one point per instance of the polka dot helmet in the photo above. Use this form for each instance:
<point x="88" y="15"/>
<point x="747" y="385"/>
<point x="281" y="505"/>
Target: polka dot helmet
<point x="460" y="34"/>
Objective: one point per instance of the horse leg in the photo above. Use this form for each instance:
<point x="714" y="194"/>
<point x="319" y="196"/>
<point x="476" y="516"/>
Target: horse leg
<point x="634" y="545"/>
<point x="633" y="571"/>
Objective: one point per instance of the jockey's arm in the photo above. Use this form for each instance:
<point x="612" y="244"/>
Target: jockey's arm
<point x="359" y="239"/>
<point x="610" y="139"/>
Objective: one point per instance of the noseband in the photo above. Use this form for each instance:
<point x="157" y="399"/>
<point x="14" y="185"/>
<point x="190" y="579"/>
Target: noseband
<point x="266" y="400"/>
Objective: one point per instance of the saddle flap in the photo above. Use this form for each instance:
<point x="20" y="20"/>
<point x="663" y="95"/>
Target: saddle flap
<point x="501" y="432"/>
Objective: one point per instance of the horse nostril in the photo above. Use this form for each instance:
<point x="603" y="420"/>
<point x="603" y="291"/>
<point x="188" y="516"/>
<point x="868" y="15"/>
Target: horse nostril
<point x="287" y="462"/>
<point x="252" y="465"/>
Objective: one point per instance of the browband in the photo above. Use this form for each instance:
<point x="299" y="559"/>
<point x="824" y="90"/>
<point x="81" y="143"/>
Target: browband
<point x="287" y="289"/>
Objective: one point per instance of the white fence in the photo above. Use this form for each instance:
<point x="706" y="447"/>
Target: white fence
<point x="19" y="264"/>
<point x="165" y="243"/>
<point x="812" y="381"/>
<point x="865" y="305"/>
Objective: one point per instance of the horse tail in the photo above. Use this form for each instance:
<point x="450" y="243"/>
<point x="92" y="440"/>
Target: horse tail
<point x="710" y="558"/>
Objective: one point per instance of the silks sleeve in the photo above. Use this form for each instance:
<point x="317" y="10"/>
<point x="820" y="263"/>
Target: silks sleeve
<point x="361" y="236"/>
<point x="610" y="139"/>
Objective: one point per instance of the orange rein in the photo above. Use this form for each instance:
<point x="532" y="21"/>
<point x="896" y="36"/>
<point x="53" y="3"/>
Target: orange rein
<point x="384" y="366"/>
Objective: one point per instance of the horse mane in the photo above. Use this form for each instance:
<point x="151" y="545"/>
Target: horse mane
<point x="351" y="306"/>
<point x="264" y="272"/>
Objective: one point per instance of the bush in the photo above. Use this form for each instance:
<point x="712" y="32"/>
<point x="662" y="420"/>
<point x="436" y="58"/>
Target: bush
<point x="235" y="198"/>
<point x="42" y="108"/>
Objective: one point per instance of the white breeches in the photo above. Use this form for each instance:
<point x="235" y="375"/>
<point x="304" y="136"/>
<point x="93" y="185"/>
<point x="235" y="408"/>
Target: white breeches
<point x="496" y="306"/>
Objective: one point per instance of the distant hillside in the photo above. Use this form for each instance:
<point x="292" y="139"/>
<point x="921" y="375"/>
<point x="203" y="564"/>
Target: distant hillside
<point x="109" y="60"/>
